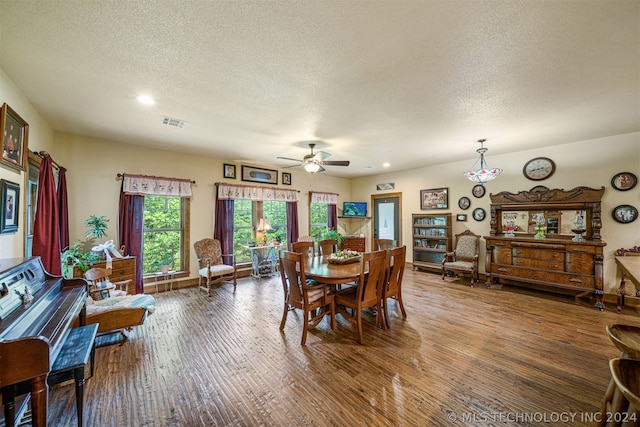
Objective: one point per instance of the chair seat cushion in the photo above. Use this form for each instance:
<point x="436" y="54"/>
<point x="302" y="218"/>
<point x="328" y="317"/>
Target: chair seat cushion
<point x="459" y="265"/>
<point x="315" y="295"/>
<point x="217" y="270"/>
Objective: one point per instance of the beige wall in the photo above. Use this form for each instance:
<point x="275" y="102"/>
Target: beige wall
<point x="92" y="166"/>
<point x="40" y="139"/>
<point x="586" y="163"/>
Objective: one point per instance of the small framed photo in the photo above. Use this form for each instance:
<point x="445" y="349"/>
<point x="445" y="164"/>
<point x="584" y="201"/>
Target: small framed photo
<point x="286" y="178"/>
<point x="265" y="176"/>
<point x="625" y="214"/>
<point x="15" y="136"/>
<point x="479" y="214"/>
<point x="461" y="217"/>
<point x="478" y="190"/>
<point x="436" y="198"/>
<point x="624" y="181"/>
<point x="229" y="171"/>
<point x="464" y="203"/>
<point x="10" y="194"/>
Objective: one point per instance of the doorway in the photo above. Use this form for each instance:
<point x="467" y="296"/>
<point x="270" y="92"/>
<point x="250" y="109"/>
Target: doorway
<point x="387" y="217"/>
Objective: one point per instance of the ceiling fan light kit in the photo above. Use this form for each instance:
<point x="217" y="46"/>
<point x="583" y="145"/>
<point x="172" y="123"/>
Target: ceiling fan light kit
<point x="485" y="173"/>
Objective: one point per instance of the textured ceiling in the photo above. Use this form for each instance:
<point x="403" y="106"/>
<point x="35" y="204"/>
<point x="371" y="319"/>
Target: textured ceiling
<point x="412" y="83"/>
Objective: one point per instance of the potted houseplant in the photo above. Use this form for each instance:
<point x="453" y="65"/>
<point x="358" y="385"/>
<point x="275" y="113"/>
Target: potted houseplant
<point x="333" y="234"/>
<point x="97" y="227"/>
<point x="76" y="256"/>
<point x="163" y="264"/>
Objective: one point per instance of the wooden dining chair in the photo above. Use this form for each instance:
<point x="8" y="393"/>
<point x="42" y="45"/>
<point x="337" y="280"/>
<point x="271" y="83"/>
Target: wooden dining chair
<point x="313" y="300"/>
<point x="327" y="246"/>
<point x="396" y="259"/>
<point x="305" y="247"/>
<point x="368" y="292"/>
<point x="384" y="244"/>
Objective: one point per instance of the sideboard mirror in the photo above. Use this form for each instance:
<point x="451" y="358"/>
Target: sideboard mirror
<point x="562" y="212"/>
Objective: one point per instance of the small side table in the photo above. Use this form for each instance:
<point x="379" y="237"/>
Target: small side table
<point x="164" y="278"/>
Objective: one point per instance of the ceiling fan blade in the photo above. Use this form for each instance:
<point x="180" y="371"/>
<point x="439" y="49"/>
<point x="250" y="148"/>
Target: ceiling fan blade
<point x="289" y="158"/>
<point x="336" y="162"/>
<point x="321" y="155"/>
<point x="290" y="166"/>
<point x="321" y="169"/>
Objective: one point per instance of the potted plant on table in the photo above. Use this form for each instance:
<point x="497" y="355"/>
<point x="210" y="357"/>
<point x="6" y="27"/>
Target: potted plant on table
<point x="76" y="256"/>
<point x="97" y="227"/>
<point x="333" y="234"/>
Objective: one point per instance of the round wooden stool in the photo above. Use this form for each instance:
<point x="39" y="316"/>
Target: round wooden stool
<point x="627" y="339"/>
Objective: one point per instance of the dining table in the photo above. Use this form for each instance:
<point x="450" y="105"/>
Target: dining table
<point x="319" y="269"/>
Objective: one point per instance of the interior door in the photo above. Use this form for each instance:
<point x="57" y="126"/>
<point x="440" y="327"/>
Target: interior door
<point x="387" y="217"/>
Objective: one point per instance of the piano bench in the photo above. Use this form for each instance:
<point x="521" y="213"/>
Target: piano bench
<point x="78" y="349"/>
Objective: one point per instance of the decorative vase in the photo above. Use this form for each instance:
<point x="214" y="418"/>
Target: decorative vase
<point x="540" y="229"/>
<point x="579" y="234"/>
<point x="164" y="269"/>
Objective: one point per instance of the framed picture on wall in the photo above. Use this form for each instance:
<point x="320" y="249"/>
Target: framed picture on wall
<point x="265" y="176"/>
<point x="286" y="178"/>
<point x="10" y="193"/>
<point x="436" y="198"/>
<point x="229" y="171"/>
<point x="15" y="136"/>
<point x="624" y="181"/>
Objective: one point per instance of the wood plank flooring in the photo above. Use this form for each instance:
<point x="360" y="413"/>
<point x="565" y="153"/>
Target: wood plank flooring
<point x="464" y="356"/>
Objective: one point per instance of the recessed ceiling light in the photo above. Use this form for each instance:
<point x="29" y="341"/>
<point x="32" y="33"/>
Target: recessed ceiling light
<point x="146" y="99"/>
<point x="386" y="165"/>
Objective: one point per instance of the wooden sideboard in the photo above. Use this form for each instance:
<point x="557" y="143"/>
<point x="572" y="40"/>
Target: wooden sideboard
<point x="122" y="269"/>
<point x="354" y="243"/>
<point x="560" y="258"/>
<point x="550" y="262"/>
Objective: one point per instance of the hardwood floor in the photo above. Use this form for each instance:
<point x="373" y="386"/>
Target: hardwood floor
<point x="464" y="356"/>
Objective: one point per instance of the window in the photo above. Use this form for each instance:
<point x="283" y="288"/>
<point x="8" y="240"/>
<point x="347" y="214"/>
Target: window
<point x="276" y="213"/>
<point x="319" y="213"/>
<point x="245" y="216"/>
<point x="242" y="228"/>
<point x="164" y="233"/>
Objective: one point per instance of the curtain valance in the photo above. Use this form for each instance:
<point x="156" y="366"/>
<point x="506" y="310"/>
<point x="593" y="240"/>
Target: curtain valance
<point x="143" y="185"/>
<point x="248" y="192"/>
<point x="326" y="198"/>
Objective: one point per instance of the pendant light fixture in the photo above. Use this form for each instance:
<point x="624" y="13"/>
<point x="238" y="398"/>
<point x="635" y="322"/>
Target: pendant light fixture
<point x="485" y="173"/>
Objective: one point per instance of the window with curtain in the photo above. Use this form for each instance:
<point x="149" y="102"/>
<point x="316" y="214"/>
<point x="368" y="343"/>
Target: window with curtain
<point x="164" y="233"/>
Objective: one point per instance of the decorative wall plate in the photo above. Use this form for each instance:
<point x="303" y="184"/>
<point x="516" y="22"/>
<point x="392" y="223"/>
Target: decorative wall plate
<point x="478" y="190"/>
<point x="624" y="213"/>
<point x="624" y="181"/>
<point x="464" y="203"/>
<point x="479" y="214"/>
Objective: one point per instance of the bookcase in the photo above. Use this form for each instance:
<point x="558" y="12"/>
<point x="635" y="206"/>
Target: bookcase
<point x="431" y="239"/>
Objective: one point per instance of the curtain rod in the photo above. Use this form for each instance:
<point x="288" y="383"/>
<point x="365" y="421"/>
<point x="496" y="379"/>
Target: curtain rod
<point x="121" y="175"/>
<point x="43" y="154"/>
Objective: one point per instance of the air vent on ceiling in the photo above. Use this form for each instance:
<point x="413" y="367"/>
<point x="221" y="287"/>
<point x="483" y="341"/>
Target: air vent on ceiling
<point x="170" y="121"/>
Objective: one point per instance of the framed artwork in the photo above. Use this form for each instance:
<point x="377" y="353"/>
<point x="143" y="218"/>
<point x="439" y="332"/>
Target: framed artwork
<point x="10" y="194"/>
<point x="479" y="214"/>
<point x="229" y="171"/>
<point x="624" y="181"/>
<point x="464" y="203"/>
<point x="15" y="137"/>
<point x="265" y="176"/>
<point x="625" y="214"/>
<point x="478" y="190"/>
<point x="461" y="217"/>
<point x="286" y="178"/>
<point x="386" y="186"/>
<point x="436" y="198"/>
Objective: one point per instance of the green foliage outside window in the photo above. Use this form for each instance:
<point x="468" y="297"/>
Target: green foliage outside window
<point x="319" y="219"/>
<point x="242" y="229"/>
<point x="163" y="230"/>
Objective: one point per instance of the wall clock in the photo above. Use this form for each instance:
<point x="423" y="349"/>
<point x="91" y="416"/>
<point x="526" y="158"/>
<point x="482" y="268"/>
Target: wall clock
<point x="539" y="168"/>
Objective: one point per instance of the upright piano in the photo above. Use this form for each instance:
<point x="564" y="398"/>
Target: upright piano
<point x="37" y="310"/>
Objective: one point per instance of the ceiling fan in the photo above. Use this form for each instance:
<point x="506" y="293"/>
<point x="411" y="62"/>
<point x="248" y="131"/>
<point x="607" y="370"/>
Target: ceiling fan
<point x="314" y="162"/>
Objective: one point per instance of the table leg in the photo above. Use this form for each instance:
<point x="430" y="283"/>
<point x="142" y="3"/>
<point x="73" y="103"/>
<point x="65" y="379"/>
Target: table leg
<point x="621" y="292"/>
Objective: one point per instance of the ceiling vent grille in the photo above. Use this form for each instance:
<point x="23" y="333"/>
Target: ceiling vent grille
<point x="170" y="121"/>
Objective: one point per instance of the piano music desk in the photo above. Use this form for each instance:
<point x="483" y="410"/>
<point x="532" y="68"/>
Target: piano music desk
<point x="78" y="349"/>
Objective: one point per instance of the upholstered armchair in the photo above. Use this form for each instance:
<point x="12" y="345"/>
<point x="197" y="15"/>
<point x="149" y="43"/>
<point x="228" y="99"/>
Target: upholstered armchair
<point x="211" y="268"/>
<point x="464" y="258"/>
